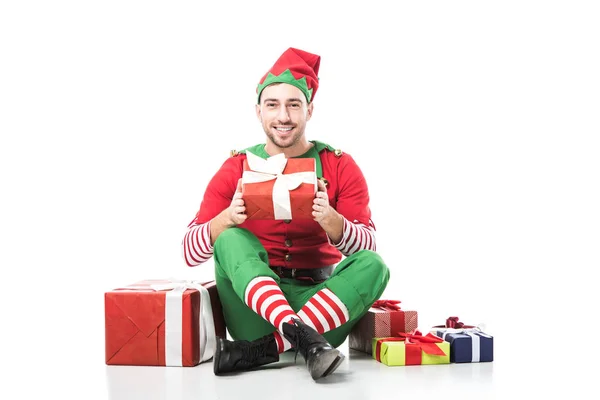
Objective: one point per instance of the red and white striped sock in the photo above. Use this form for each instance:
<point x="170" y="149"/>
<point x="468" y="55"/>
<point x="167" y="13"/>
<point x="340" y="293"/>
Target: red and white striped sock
<point x="324" y="311"/>
<point x="282" y="343"/>
<point x="265" y="298"/>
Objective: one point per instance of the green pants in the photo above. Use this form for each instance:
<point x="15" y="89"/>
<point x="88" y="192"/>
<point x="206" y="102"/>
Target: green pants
<point x="358" y="281"/>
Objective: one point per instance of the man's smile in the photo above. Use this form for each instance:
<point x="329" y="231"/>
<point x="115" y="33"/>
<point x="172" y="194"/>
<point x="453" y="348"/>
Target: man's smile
<point x="283" y="129"/>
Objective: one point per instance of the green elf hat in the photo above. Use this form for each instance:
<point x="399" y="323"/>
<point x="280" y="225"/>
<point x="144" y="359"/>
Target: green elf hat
<point x="296" y="67"/>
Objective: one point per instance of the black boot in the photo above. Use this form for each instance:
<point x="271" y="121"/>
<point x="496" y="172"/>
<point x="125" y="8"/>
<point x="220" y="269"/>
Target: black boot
<point x="321" y="357"/>
<point x="242" y="355"/>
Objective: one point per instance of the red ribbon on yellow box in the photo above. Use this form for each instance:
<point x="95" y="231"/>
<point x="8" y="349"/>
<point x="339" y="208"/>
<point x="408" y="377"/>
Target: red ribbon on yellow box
<point x="415" y="344"/>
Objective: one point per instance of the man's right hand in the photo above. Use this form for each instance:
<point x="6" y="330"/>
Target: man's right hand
<point x="236" y="212"/>
<point x="231" y="216"/>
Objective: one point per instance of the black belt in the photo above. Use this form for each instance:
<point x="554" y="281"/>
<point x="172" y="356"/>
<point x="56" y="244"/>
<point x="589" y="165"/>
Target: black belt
<point x="315" y="275"/>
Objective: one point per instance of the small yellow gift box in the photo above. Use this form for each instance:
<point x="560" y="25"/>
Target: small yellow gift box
<point x="411" y="349"/>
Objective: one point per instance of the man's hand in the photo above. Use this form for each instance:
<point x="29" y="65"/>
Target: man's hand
<point x="236" y="212"/>
<point x="231" y="216"/>
<point x="322" y="211"/>
<point x="329" y="219"/>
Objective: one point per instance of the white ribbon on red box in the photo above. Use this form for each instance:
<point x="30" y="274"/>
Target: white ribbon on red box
<point x="174" y="317"/>
<point x="173" y="321"/>
<point x="272" y="168"/>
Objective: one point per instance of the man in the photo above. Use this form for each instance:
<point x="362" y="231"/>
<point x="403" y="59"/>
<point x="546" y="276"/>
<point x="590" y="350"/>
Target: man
<point x="276" y="278"/>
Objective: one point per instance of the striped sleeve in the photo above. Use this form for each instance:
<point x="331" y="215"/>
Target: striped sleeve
<point x="196" y="247"/>
<point x="356" y="237"/>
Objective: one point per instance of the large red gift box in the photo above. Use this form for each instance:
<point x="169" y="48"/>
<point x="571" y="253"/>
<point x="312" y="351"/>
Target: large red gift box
<point x="162" y="323"/>
<point x="279" y="188"/>
<point x="384" y="319"/>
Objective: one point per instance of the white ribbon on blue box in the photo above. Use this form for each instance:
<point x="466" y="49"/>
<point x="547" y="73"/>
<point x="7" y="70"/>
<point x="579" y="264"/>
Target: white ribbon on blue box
<point x="481" y="346"/>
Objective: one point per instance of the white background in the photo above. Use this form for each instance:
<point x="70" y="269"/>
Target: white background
<point x="475" y="123"/>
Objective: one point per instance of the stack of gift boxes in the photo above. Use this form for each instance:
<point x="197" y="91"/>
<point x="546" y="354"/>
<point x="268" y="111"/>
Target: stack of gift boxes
<point x="175" y="322"/>
<point x="391" y="336"/>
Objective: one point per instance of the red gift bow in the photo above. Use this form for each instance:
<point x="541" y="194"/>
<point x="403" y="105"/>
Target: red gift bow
<point x="387" y="305"/>
<point x="453" y="322"/>
<point x="420" y="343"/>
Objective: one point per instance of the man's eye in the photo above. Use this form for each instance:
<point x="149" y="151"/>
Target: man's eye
<point x="270" y="104"/>
<point x="295" y="105"/>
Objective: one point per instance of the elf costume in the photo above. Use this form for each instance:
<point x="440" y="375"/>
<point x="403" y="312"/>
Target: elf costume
<point x="279" y="279"/>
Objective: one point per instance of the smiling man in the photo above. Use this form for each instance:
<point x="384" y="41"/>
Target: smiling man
<point x="283" y="113"/>
<point x="300" y="283"/>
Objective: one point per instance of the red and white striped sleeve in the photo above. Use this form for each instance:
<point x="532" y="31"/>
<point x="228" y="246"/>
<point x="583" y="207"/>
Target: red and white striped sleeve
<point x="356" y="237"/>
<point x="196" y="247"/>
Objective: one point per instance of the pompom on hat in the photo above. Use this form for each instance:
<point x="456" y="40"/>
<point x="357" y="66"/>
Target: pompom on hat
<point x="295" y="67"/>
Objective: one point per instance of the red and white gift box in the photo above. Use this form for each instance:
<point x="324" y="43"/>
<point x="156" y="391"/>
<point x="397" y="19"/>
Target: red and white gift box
<point x="279" y="187"/>
<point x="162" y="323"/>
<point x="385" y="318"/>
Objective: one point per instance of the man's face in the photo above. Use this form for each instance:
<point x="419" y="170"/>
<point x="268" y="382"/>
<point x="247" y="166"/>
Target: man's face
<point x="283" y="112"/>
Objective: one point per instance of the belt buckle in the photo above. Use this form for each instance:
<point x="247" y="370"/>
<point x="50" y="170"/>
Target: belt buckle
<point x="294" y="273"/>
<point x="278" y="271"/>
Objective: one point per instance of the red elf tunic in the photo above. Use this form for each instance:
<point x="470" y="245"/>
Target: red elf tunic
<point x="296" y="243"/>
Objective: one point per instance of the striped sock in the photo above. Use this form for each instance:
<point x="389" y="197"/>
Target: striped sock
<point x="282" y="343"/>
<point x="324" y="311"/>
<point x="265" y="298"/>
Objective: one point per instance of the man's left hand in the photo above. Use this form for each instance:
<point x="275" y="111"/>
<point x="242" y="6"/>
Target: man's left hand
<point x="322" y="211"/>
<point x="330" y="220"/>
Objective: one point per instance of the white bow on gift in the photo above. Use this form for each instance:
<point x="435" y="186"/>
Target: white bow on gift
<point x="474" y="333"/>
<point x="263" y="170"/>
<point x="173" y="321"/>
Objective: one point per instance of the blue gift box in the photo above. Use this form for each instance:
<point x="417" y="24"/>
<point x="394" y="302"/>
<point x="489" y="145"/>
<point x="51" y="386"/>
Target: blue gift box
<point x="468" y="345"/>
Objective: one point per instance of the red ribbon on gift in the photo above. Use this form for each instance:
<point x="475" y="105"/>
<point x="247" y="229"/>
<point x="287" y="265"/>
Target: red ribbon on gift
<point x="378" y="345"/>
<point x="425" y="344"/>
<point x="387" y="305"/>
<point x="453" y="322"/>
<point x="416" y="344"/>
<point x="396" y="315"/>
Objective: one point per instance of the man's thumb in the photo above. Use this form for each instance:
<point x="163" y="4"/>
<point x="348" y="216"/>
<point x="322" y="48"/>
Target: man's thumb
<point x="321" y="185"/>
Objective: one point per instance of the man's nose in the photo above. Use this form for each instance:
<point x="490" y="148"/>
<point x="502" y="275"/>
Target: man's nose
<point x="283" y="114"/>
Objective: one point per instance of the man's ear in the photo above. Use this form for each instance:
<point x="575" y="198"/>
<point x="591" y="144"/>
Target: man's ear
<point x="309" y="111"/>
<point x="258" y="114"/>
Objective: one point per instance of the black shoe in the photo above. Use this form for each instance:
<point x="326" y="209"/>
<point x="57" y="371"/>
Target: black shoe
<point x="242" y="355"/>
<point x="321" y="357"/>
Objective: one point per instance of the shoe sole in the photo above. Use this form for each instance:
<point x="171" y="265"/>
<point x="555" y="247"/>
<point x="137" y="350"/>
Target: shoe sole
<point x="335" y="365"/>
<point x="326" y="363"/>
